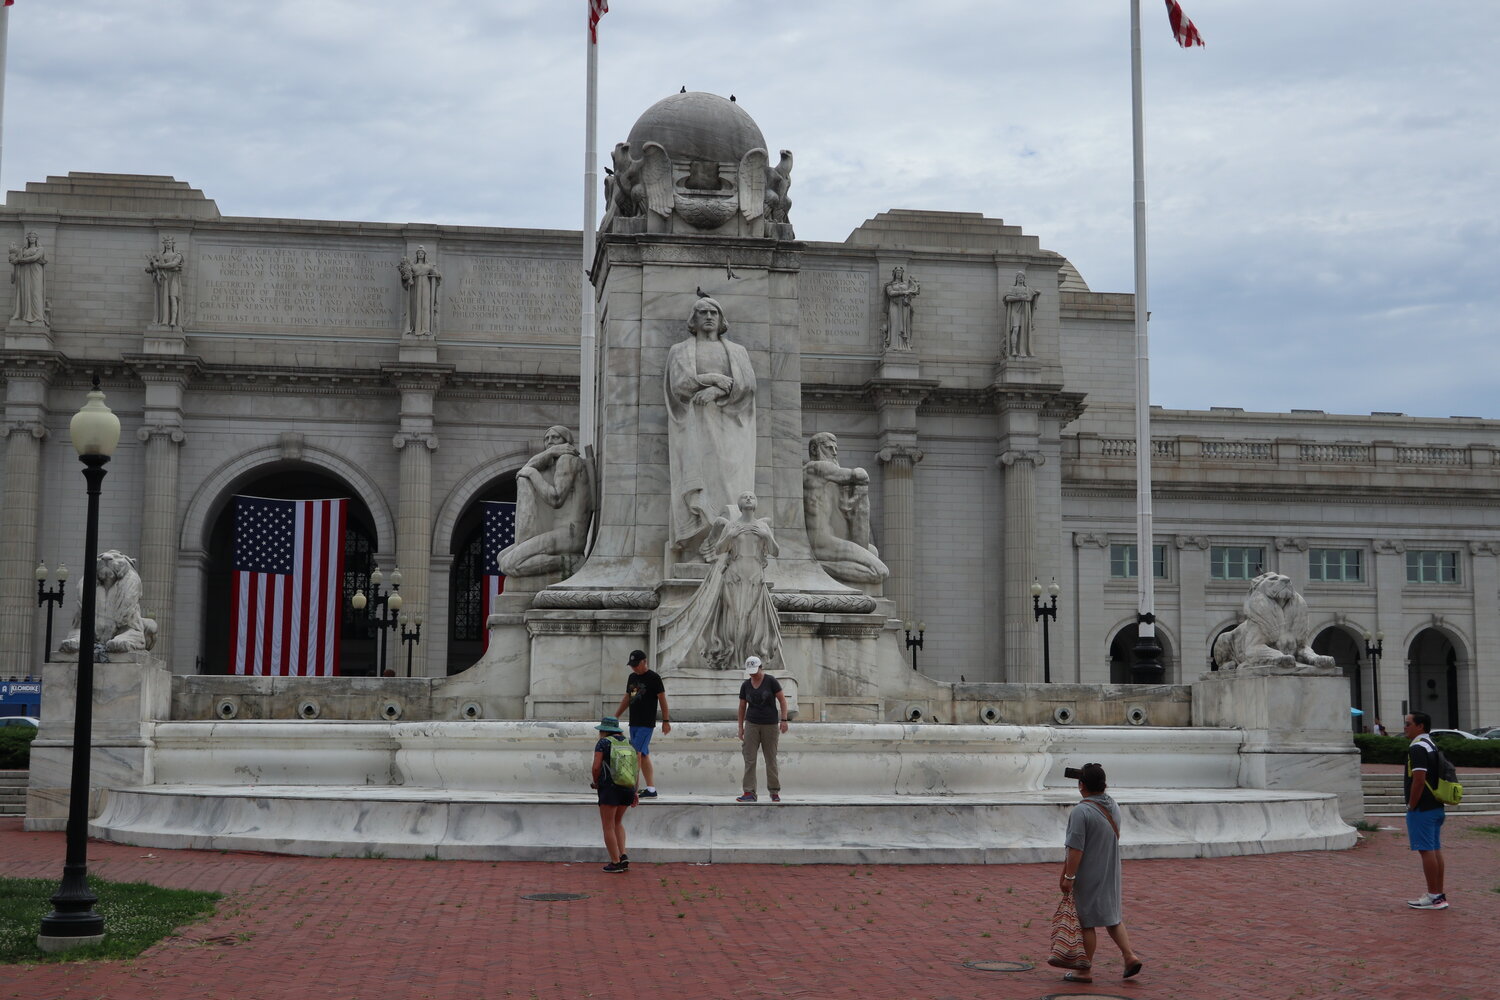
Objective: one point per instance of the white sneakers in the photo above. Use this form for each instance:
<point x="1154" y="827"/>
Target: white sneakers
<point x="1428" y="901"/>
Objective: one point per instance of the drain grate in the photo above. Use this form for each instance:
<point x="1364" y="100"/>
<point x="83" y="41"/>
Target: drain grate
<point x="555" y="897"/>
<point x="1000" y="966"/>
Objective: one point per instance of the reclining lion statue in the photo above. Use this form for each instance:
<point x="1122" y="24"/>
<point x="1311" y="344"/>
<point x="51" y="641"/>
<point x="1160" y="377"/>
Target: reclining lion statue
<point x="118" y="624"/>
<point x="1275" y="631"/>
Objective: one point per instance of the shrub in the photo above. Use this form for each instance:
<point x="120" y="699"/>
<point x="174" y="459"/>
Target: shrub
<point x="1463" y="753"/>
<point x="15" y="747"/>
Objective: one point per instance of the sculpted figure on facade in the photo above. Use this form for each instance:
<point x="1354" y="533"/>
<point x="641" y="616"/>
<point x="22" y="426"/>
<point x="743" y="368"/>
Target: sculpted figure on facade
<point x="420" y="279"/>
<point x="710" y="395"/>
<point x="1020" y="310"/>
<point x="899" y="292"/>
<point x="778" y="182"/>
<point x="836" y="502"/>
<point x="26" y="273"/>
<point x="1275" y="633"/>
<point x="118" y="624"/>
<point x="165" y="269"/>
<point x="732" y="615"/>
<point x="554" y="502"/>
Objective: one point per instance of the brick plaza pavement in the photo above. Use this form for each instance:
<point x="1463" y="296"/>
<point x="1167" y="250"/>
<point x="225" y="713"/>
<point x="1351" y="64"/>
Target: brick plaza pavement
<point x="1307" y="925"/>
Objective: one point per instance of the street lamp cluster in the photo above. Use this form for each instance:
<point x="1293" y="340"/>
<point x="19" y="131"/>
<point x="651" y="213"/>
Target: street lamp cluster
<point x="50" y="596"/>
<point x="1374" y="651"/>
<point x="388" y="616"/>
<point x="1047" y="613"/>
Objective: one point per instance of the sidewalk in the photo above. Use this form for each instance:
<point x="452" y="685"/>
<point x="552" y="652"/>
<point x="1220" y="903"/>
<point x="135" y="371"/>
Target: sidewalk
<point x="1309" y="925"/>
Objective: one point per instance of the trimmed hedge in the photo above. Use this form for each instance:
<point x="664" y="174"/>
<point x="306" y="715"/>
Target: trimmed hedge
<point x="1463" y="753"/>
<point x="15" y="747"/>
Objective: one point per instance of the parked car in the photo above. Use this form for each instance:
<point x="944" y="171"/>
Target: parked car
<point x="21" y="720"/>
<point x="1462" y="734"/>
<point x="1488" y="732"/>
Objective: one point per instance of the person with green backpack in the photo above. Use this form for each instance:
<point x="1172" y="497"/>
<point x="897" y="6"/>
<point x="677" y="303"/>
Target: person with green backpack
<point x="1424" y="811"/>
<point x="615" y="773"/>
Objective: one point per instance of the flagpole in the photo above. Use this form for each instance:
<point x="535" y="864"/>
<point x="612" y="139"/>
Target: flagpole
<point x="1148" y="667"/>
<point x="4" y="49"/>
<point x="587" y="354"/>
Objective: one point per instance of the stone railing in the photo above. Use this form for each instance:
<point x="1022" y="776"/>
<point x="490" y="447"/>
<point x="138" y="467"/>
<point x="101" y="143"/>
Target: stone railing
<point x="1285" y="452"/>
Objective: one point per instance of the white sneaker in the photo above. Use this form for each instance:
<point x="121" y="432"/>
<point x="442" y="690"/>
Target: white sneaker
<point x="1428" y="901"/>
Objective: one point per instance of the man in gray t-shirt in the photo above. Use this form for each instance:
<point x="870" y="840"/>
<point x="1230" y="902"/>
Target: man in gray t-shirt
<point x="1092" y="869"/>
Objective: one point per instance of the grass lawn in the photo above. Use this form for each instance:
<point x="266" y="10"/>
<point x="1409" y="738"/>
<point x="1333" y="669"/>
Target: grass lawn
<point x="136" y="916"/>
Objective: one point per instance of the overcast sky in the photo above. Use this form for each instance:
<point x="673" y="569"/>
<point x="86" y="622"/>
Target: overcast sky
<point x="1321" y="178"/>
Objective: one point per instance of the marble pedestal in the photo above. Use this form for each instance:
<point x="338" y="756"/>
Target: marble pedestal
<point x="131" y="691"/>
<point x="1296" y="725"/>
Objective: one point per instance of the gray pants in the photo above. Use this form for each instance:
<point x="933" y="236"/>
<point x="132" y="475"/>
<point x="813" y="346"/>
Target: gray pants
<point x="763" y="738"/>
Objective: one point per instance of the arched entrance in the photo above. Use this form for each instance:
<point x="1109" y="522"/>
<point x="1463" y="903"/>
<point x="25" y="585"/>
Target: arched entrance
<point x="289" y="481"/>
<point x="466" y="589"/>
<point x="1336" y="642"/>
<point x="1122" y="656"/>
<point x="1432" y="673"/>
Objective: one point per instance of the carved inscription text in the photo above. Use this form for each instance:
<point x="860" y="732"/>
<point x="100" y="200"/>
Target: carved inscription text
<point x="835" y="307"/>
<point x="513" y="295"/>
<point x="295" y="287"/>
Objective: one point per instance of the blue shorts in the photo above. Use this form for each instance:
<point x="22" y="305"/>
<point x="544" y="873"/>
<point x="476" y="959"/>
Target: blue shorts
<point x="1424" y="828"/>
<point x="640" y="738"/>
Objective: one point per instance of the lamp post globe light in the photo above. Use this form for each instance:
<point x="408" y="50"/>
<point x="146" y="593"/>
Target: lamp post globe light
<point x="95" y="432"/>
<point x="388" y="610"/>
<point x="1374" y="651"/>
<point x="50" y="596"/>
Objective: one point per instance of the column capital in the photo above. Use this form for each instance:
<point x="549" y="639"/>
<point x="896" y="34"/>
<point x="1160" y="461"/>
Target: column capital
<point x="170" y="432"/>
<point x="33" y="427"/>
<point x="1291" y="544"/>
<point x="400" y="441"/>
<point x="1484" y="548"/>
<point x="1388" y="545"/>
<point x="1194" y="542"/>
<point x="890" y="453"/>
<point x="1090" y="540"/>
<point x="1009" y="458"/>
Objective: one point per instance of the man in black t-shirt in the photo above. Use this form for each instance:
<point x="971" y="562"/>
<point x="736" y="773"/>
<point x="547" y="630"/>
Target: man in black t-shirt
<point x="644" y="691"/>
<point x="1424" y="813"/>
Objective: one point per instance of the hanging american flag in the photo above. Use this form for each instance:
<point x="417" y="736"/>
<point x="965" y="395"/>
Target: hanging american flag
<point x="1185" y="31"/>
<point x="597" y="9"/>
<point x="288" y="581"/>
<point x="499" y="535"/>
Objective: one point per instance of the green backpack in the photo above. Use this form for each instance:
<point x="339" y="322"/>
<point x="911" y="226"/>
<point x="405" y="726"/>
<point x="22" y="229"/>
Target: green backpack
<point x="622" y="762"/>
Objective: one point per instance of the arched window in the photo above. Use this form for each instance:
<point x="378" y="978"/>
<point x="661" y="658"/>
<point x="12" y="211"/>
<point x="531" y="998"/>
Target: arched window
<point x="466" y="619"/>
<point x="1122" y="656"/>
<point x="290" y="482"/>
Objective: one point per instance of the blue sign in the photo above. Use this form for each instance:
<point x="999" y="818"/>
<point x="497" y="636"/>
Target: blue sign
<point x="20" y="690"/>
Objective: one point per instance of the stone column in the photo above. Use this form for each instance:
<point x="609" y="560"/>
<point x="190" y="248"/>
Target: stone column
<point x="1023" y="657"/>
<point x="898" y="540"/>
<point x="897" y="394"/>
<point x="416" y="441"/>
<point x="165" y="376"/>
<point x="1194" y="624"/>
<point x="18" y="555"/>
<point x="1093" y="611"/>
<point x="158" y="552"/>
<point x="1483" y="694"/>
<point x="1390" y="579"/>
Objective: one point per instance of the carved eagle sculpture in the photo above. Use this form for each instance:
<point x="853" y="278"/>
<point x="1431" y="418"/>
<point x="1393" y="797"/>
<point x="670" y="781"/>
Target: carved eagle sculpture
<point x="778" y="180"/>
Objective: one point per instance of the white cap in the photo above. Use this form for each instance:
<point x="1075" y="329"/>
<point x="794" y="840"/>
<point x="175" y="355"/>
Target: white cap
<point x="752" y="665"/>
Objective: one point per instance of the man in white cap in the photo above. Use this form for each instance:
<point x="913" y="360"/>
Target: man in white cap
<point x="763" y="718"/>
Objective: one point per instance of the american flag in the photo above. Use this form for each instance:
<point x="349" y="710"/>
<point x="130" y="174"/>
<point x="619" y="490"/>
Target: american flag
<point x="499" y="534"/>
<point x="1185" y="31"/>
<point x="597" y="9"/>
<point x="288" y="581"/>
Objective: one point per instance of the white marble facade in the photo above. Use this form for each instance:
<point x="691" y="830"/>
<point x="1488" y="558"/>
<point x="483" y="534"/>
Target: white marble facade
<point x="989" y="466"/>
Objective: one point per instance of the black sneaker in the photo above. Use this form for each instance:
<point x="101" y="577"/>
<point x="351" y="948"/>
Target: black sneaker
<point x="625" y="861"/>
<point x="648" y="793"/>
<point x="616" y="867"/>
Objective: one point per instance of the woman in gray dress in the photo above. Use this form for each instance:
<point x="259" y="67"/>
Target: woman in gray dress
<point x="1092" y="869"/>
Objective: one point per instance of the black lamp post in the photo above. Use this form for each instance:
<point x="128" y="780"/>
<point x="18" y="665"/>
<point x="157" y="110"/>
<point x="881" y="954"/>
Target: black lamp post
<point x="49" y="596"/>
<point x="915" y="644"/>
<point x="95" y="432"/>
<point x="389" y="604"/>
<point x="1374" y="653"/>
<point x="1047" y="613"/>
<point x="410" y="638"/>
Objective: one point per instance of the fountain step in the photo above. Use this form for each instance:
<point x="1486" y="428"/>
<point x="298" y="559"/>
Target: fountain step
<point x="418" y="822"/>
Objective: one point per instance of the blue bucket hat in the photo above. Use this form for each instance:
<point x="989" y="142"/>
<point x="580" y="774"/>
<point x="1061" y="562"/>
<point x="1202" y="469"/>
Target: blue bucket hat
<point x="609" y="724"/>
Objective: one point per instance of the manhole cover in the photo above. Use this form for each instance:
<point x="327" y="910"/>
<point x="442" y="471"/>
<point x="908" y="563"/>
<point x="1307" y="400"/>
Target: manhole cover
<point x="1000" y="966"/>
<point x="555" y="897"/>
